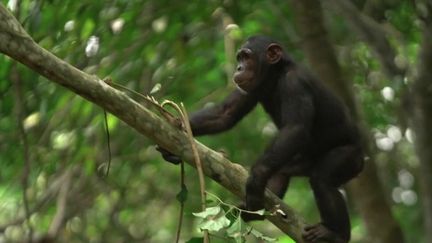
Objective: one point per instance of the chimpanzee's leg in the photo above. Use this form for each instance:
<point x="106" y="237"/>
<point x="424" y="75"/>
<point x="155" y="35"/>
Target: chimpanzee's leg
<point x="334" y="169"/>
<point x="278" y="184"/>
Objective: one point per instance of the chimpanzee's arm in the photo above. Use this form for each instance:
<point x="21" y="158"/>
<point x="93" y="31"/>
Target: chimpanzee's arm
<point x="217" y="118"/>
<point x="297" y="116"/>
<point x="222" y="116"/>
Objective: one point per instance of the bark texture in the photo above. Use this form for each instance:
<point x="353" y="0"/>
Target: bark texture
<point x="421" y="99"/>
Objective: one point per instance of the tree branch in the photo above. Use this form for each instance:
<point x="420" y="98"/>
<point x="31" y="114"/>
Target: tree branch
<point x="17" y="44"/>
<point x="372" y="33"/>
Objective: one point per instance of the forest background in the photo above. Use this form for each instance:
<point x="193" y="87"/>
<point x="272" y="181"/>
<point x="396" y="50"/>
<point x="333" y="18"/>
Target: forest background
<point x="376" y="54"/>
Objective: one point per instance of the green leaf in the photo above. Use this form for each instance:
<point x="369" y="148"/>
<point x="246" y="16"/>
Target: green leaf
<point x="260" y="236"/>
<point x="89" y="166"/>
<point x="215" y="224"/>
<point x="210" y="200"/>
<point x="235" y="230"/>
<point x="211" y="211"/>
<point x="183" y="194"/>
<point x="156" y="88"/>
<point x="213" y="219"/>
<point x="87" y="28"/>
<point x="196" y="240"/>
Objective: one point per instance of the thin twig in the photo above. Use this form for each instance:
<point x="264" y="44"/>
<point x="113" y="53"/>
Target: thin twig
<point x="108" y="142"/>
<point x="232" y="206"/>
<point x="182" y="187"/>
<point x="185" y="121"/>
<point x="197" y="162"/>
<point x="171" y="119"/>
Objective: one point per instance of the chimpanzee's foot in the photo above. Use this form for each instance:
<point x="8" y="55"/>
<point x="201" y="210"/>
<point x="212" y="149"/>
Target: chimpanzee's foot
<point x="249" y="216"/>
<point x="318" y="233"/>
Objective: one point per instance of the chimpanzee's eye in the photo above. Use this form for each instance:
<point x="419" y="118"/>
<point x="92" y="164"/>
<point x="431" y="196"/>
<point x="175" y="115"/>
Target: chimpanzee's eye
<point x="243" y="54"/>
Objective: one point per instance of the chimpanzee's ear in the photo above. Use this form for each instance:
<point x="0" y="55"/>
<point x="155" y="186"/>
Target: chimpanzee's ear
<point x="274" y="53"/>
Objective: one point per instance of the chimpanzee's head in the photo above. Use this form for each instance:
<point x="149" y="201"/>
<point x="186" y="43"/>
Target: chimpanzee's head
<point x="255" y="60"/>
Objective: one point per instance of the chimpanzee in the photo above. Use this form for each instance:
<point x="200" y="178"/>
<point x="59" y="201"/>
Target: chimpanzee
<point x="316" y="137"/>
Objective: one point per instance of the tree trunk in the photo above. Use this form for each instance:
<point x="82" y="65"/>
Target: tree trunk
<point x="421" y="113"/>
<point x="366" y="189"/>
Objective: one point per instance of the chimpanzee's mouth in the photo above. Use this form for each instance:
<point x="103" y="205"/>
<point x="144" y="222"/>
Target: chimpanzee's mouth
<point x="240" y="87"/>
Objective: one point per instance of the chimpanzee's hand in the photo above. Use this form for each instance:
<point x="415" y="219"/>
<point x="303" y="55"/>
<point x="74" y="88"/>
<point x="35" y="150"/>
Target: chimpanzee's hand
<point x="254" y="202"/>
<point x="168" y="156"/>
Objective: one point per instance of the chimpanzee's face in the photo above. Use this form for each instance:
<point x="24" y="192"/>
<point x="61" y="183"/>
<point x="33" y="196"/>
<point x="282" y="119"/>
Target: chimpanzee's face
<point x="245" y="76"/>
<point x="253" y="61"/>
